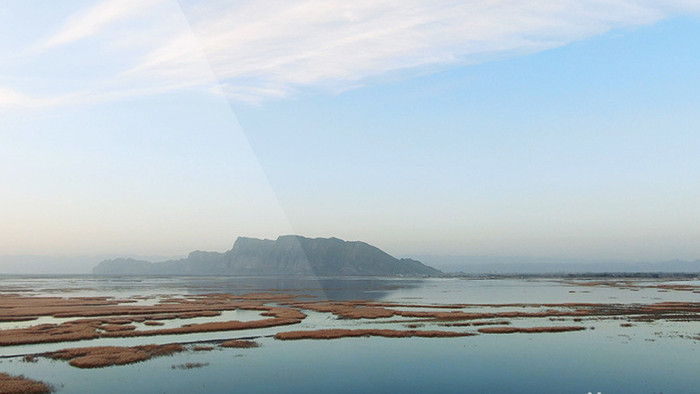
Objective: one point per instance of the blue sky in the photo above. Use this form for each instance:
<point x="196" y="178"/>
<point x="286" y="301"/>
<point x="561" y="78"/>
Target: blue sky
<point x="552" y="129"/>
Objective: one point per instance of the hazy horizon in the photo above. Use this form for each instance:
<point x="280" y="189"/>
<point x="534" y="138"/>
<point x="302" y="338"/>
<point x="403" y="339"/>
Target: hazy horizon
<point x="83" y="264"/>
<point x="160" y="127"/>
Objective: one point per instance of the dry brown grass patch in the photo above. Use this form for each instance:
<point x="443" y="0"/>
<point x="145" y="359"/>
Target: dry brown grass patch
<point x="20" y="385"/>
<point x="241" y="344"/>
<point x="117" y="327"/>
<point x="106" y="318"/>
<point x="105" y="356"/>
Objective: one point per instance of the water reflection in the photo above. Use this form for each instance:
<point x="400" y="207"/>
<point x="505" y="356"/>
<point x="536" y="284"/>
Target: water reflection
<point x="332" y="288"/>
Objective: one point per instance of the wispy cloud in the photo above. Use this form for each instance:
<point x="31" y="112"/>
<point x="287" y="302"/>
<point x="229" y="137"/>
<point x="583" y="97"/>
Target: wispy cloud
<point x="95" y="19"/>
<point x="12" y="99"/>
<point x="257" y="51"/>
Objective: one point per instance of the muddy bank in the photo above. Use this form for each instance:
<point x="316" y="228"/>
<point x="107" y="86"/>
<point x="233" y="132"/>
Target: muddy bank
<point x="529" y="330"/>
<point x="478" y="323"/>
<point x="347" y="333"/>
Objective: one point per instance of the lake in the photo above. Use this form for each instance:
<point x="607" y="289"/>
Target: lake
<point x="607" y="357"/>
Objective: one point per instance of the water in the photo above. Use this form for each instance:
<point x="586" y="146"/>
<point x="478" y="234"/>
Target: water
<point x="646" y="358"/>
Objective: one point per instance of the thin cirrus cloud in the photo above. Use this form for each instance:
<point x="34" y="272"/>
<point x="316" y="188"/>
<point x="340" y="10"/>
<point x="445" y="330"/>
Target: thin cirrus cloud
<point x="93" y="20"/>
<point x="256" y="51"/>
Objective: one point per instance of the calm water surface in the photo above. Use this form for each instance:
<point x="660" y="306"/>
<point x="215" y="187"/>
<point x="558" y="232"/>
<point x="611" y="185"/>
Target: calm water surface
<point x="646" y="358"/>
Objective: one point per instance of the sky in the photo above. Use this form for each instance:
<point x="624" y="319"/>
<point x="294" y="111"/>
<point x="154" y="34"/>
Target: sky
<point x="552" y="128"/>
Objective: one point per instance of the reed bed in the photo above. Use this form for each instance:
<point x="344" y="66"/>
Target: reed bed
<point x="105" y="356"/>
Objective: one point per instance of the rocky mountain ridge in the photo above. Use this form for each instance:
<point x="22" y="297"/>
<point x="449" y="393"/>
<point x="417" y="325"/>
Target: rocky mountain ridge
<point x="289" y="255"/>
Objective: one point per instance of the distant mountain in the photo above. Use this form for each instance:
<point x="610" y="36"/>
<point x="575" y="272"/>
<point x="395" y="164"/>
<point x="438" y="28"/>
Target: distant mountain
<point x="289" y="255"/>
<point x="530" y="265"/>
<point x="57" y="264"/>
